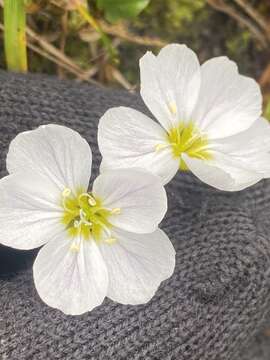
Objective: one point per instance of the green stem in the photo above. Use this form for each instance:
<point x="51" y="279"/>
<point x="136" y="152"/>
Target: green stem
<point x="15" y="39"/>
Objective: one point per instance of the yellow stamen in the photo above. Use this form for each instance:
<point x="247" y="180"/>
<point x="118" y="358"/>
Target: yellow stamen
<point x="186" y="138"/>
<point x="84" y="216"/>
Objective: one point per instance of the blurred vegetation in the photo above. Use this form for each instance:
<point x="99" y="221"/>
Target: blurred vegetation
<point x="102" y="40"/>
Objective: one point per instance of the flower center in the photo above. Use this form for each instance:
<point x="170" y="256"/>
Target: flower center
<point x="186" y="138"/>
<point x="84" y="215"/>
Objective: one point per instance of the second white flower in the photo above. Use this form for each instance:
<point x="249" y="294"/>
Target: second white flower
<point x="208" y="122"/>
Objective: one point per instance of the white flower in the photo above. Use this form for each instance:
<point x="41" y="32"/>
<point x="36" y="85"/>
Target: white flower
<point x="209" y="122"/>
<point x="100" y="243"/>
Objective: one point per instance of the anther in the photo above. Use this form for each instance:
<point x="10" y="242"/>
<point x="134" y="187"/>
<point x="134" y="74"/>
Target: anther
<point x="172" y="107"/>
<point x="66" y="192"/>
<point x="91" y="200"/>
<point x="110" y="240"/>
<point x="159" y="147"/>
<point x="116" y="211"/>
<point x="76" y="223"/>
<point x="74" y="247"/>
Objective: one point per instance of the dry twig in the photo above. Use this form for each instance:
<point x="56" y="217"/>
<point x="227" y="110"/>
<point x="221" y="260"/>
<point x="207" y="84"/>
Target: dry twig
<point x="63" y="38"/>
<point x="255" y="15"/>
<point x="47" y="55"/>
<point x="242" y="20"/>
<point x="121" y="31"/>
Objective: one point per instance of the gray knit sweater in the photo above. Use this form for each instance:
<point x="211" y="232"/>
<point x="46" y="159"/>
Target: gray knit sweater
<point x="212" y="308"/>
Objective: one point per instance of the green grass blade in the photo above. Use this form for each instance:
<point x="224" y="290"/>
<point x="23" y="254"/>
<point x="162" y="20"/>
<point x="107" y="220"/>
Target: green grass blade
<point x="15" y="39"/>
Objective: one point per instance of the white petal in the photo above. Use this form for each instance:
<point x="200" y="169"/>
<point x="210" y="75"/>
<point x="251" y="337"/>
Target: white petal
<point x="254" y="140"/>
<point x="228" y="102"/>
<point x="137" y="264"/>
<point x="71" y="281"/>
<point x="55" y="151"/>
<point x="250" y="148"/>
<point x="260" y="163"/>
<point x="30" y="211"/>
<point x="223" y="173"/>
<point x="128" y="139"/>
<point x="170" y="83"/>
<point x="140" y="196"/>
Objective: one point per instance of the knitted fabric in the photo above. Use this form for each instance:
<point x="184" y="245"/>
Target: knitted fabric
<point x="259" y="348"/>
<point x="213" y="306"/>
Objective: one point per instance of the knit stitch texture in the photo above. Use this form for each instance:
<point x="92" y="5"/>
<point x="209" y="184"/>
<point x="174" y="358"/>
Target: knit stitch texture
<point x="214" y="305"/>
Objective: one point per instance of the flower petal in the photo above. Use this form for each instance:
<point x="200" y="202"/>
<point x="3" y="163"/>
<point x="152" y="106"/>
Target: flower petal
<point x="170" y="83"/>
<point x="250" y="149"/>
<point x="260" y="163"/>
<point x="30" y="211"/>
<point x="228" y="102"/>
<point x="71" y="281"/>
<point x="140" y="196"/>
<point x="251" y="141"/>
<point x="137" y="264"/>
<point x="54" y="151"/>
<point x="128" y="139"/>
<point x="224" y="173"/>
